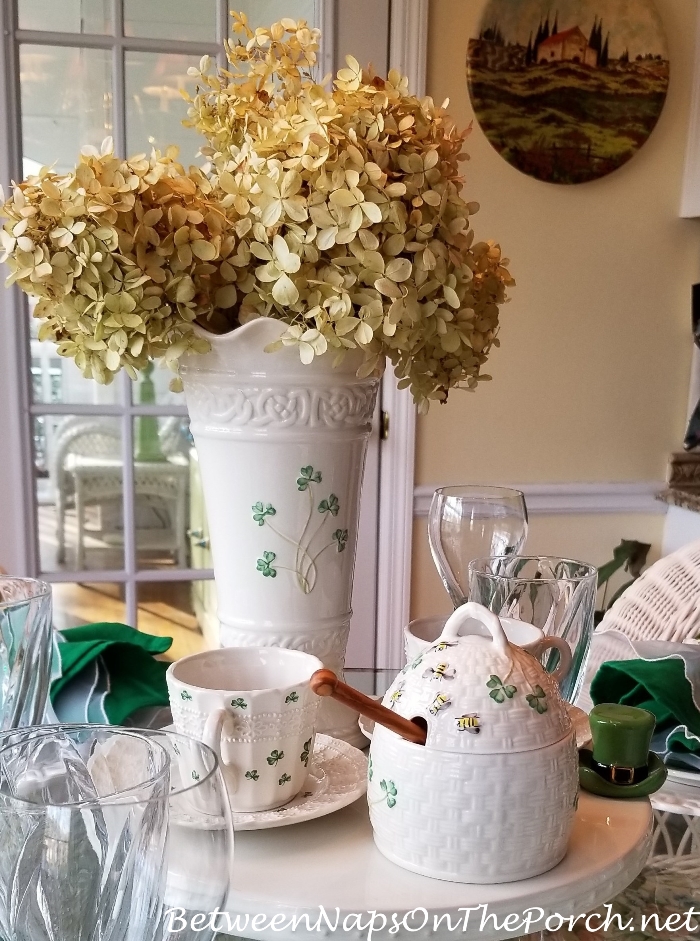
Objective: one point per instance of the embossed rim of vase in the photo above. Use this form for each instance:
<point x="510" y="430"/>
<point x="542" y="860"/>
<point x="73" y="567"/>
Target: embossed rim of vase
<point x="347" y="369"/>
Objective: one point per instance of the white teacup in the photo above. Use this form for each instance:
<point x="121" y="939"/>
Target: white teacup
<point x="423" y="632"/>
<point x="254" y="707"/>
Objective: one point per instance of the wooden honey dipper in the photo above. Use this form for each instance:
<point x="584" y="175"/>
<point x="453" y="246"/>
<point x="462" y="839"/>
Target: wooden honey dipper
<point x="326" y="683"/>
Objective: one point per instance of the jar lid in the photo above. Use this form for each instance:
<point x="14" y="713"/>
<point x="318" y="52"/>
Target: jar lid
<point x="479" y="693"/>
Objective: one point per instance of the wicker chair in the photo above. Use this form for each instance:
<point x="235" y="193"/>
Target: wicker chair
<point x="87" y="471"/>
<point x="76" y="438"/>
<point x="664" y="603"/>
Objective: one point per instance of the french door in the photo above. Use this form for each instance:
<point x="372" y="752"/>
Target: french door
<point x="99" y="486"/>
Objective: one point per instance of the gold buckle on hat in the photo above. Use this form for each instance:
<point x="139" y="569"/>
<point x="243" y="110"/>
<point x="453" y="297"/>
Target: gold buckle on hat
<point x="621" y="775"/>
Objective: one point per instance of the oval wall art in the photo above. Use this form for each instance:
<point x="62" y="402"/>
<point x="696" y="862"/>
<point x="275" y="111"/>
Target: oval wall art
<point x="568" y="90"/>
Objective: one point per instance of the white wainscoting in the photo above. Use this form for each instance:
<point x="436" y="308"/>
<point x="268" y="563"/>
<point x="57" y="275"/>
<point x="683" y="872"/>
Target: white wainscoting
<point x="573" y="499"/>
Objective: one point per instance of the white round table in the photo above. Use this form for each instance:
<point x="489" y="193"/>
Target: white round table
<point x="332" y="862"/>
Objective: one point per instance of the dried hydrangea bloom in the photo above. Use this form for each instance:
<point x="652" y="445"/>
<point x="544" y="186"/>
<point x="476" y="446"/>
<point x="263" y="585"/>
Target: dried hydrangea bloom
<point x="335" y="209"/>
<point x="120" y="255"/>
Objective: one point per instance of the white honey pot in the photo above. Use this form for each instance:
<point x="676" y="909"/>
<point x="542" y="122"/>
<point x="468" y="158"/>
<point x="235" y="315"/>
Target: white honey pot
<point x="491" y="796"/>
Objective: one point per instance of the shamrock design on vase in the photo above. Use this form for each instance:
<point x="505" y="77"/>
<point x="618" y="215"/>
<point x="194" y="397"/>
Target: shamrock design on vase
<point x="500" y="753"/>
<point x="311" y="543"/>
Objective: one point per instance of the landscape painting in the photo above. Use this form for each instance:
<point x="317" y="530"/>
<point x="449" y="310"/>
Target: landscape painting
<point x="568" y="91"/>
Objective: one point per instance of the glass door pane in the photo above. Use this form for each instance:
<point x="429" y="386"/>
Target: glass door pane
<point x="180" y="610"/>
<point x="66" y="16"/>
<point x="162" y="491"/>
<point x="79" y="492"/>
<point x="192" y="20"/>
<point x="77" y="604"/>
<point x="66" y="103"/>
<point x="265" y="12"/>
<point x="154" y="106"/>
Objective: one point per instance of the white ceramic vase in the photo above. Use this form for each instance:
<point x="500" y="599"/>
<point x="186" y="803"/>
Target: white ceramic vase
<point x="282" y="448"/>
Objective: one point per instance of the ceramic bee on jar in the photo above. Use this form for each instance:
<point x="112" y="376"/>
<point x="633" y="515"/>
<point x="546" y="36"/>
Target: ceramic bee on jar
<point x="492" y="794"/>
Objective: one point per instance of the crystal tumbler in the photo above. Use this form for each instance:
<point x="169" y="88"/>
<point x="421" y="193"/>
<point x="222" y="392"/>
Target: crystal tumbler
<point x="556" y="595"/>
<point x="26" y="639"/>
<point x="110" y="834"/>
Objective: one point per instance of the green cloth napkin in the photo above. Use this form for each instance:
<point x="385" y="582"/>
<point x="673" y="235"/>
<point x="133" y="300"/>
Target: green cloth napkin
<point x="661" y="687"/>
<point x="105" y="672"/>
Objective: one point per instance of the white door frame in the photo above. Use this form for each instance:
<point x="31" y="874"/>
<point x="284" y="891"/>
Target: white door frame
<point x="16" y="499"/>
<point x="408" y="45"/>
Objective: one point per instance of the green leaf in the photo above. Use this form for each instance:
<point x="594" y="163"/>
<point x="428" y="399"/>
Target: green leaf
<point x="494" y="682"/>
<point x="620" y="591"/>
<point x="630" y="554"/>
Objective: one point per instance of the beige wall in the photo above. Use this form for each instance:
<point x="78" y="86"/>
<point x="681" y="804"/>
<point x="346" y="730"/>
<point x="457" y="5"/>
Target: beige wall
<point x="591" y="381"/>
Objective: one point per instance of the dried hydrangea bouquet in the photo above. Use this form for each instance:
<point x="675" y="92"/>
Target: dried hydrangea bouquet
<point x="325" y="233"/>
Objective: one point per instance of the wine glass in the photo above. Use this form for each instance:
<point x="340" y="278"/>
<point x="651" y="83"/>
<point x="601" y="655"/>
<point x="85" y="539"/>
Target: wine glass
<point x="470" y="522"/>
<point x="199" y="857"/>
<point x="109" y="833"/>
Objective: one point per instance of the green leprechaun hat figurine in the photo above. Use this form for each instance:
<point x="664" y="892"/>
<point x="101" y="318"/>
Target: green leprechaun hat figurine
<point x="621" y="763"/>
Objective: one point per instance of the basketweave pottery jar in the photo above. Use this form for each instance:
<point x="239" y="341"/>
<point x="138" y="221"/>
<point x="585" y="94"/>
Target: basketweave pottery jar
<point x="491" y="796"/>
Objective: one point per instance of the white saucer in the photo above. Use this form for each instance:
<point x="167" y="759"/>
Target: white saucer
<point x="337" y="777"/>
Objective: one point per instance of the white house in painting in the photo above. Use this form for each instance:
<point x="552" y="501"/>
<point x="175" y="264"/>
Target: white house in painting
<point x="568" y="46"/>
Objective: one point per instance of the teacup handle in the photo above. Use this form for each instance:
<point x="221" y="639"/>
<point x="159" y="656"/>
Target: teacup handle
<point x="565" y="658"/>
<point x="212" y="737"/>
<point x="471" y="611"/>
